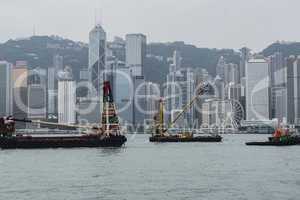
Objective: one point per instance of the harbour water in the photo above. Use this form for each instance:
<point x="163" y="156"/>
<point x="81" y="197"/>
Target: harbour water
<point x="143" y="170"/>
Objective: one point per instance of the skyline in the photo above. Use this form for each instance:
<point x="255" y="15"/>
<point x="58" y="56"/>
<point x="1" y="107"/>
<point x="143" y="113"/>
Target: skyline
<point x="238" y="25"/>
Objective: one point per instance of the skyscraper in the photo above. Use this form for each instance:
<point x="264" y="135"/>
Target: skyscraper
<point x="66" y="99"/>
<point x="231" y="74"/>
<point x="136" y="45"/>
<point x="293" y="90"/>
<point x="58" y="62"/>
<point x="52" y="93"/>
<point x="124" y="93"/>
<point x="221" y="68"/>
<point x="278" y="86"/>
<point x="5" y="88"/>
<point x="245" y="55"/>
<point x="37" y="94"/>
<point x="257" y="89"/>
<point x="20" y="91"/>
<point x="97" y="58"/>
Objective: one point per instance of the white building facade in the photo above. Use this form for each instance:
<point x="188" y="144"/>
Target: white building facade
<point x="67" y="102"/>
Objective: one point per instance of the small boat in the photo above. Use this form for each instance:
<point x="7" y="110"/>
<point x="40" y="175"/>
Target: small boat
<point x="107" y="135"/>
<point x="162" y="134"/>
<point x="281" y="137"/>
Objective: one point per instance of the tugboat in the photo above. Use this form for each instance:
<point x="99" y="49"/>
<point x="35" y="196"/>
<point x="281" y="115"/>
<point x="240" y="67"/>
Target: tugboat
<point x="162" y="134"/>
<point x="107" y="135"/>
<point x="281" y="137"/>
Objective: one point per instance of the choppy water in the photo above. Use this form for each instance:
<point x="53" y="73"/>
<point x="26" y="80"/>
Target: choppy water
<point x="143" y="170"/>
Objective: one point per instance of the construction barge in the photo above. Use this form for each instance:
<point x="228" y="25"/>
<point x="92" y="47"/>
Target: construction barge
<point x="164" y="135"/>
<point x="107" y="135"/>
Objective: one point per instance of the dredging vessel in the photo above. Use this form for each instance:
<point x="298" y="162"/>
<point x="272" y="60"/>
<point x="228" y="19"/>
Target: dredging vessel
<point x="162" y="134"/>
<point x="281" y="137"/>
<point x="108" y="134"/>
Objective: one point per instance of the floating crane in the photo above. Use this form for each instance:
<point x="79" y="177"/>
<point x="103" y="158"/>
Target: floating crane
<point x="161" y="134"/>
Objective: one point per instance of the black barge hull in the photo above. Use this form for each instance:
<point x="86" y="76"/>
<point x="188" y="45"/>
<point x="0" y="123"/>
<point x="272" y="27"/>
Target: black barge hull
<point x="288" y="143"/>
<point x="295" y="140"/>
<point x="187" y="139"/>
<point x="28" y="142"/>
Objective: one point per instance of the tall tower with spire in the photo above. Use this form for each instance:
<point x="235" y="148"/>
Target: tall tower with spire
<point x="97" y="58"/>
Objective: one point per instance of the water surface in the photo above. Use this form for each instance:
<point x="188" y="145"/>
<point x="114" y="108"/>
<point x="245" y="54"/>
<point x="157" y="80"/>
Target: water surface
<point x="143" y="170"/>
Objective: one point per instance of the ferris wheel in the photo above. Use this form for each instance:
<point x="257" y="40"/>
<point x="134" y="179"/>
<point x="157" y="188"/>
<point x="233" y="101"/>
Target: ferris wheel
<point x="234" y="115"/>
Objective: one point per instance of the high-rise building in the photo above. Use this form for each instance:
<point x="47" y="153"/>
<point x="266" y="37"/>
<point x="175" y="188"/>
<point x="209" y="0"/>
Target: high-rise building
<point x="136" y="45"/>
<point x="221" y="68"/>
<point x="97" y="58"/>
<point x="138" y="101"/>
<point x="52" y="93"/>
<point x="177" y="61"/>
<point x="37" y="94"/>
<point x="180" y="91"/>
<point x="117" y="48"/>
<point x="124" y="91"/>
<point x="58" y="62"/>
<point x="293" y="90"/>
<point x="66" y="100"/>
<point x="257" y="89"/>
<point x="20" y="91"/>
<point x="231" y="74"/>
<point x="278" y="86"/>
<point x="245" y="55"/>
<point x="6" y="86"/>
<point x="152" y="100"/>
<point x="200" y="75"/>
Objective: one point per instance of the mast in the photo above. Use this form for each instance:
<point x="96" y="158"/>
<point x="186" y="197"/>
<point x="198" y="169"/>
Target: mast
<point x="110" y="121"/>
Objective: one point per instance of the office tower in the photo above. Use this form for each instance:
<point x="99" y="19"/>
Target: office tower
<point x="52" y="93"/>
<point x="180" y="91"/>
<point x="20" y="91"/>
<point x="152" y="100"/>
<point x="257" y="89"/>
<point x="278" y="85"/>
<point x="136" y="45"/>
<point x="293" y="90"/>
<point x="219" y="87"/>
<point x="177" y="60"/>
<point x="97" y="58"/>
<point x="277" y="69"/>
<point x="37" y="94"/>
<point x="279" y="97"/>
<point x="6" y="86"/>
<point x="58" y="62"/>
<point x="200" y="75"/>
<point x="245" y="55"/>
<point x="124" y="93"/>
<point x="66" y="99"/>
<point x="234" y="92"/>
<point x="231" y="74"/>
<point x="220" y="70"/>
<point x="117" y="48"/>
<point x="138" y="101"/>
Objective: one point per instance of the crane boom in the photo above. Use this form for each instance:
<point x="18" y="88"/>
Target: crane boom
<point x="203" y="88"/>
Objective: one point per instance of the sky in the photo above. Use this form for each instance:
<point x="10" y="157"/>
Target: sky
<point x="204" y="23"/>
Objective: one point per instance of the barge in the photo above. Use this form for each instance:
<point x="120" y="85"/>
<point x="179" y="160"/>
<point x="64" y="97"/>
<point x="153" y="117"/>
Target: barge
<point x="108" y="134"/>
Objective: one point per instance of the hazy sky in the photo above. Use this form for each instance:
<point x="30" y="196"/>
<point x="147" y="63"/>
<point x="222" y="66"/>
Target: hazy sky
<point x="205" y="23"/>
